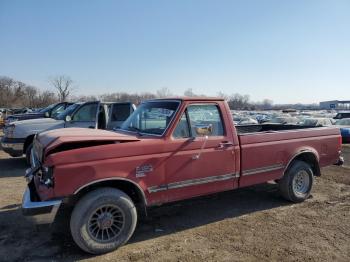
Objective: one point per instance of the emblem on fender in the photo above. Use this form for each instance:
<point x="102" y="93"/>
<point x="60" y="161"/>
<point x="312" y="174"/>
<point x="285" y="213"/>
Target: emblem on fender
<point x="142" y="170"/>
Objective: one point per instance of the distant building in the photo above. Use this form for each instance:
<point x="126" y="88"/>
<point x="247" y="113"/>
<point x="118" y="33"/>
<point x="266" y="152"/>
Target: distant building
<point x="336" y="105"/>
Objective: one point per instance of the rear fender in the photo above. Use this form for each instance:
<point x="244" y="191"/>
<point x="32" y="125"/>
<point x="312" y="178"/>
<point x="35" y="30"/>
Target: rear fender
<point x="309" y="156"/>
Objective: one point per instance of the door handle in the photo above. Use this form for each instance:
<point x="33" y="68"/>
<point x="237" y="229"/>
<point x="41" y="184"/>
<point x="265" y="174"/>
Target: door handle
<point x="225" y="144"/>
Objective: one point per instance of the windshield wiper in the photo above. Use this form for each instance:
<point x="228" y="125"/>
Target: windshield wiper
<point x="132" y="128"/>
<point x="135" y="129"/>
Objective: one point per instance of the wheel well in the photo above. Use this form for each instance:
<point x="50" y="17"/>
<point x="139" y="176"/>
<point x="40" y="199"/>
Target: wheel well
<point x="311" y="159"/>
<point x="127" y="187"/>
<point x="28" y="141"/>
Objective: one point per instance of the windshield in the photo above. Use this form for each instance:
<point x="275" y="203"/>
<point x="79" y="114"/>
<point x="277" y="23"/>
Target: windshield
<point x="69" y="110"/>
<point x="151" y="117"/>
<point x="47" y="109"/>
<point x="343" y="122"/>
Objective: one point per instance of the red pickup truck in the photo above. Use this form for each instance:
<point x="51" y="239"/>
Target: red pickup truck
<point x="167" y="150"/>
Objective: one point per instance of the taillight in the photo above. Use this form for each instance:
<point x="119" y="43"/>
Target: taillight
<point x="340" y="142"/>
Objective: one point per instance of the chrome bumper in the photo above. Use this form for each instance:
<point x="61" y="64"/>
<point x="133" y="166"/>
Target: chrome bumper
<point x="41" y="212"/>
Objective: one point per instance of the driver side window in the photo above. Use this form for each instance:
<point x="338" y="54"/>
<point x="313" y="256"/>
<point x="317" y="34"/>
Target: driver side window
<point x="206" y="114"/>
<point x="86" y="113"/>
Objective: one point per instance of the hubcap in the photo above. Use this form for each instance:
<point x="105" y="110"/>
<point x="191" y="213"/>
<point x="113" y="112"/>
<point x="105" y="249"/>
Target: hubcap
<point x="301" y="182"/>
<point x="106" y="223"/>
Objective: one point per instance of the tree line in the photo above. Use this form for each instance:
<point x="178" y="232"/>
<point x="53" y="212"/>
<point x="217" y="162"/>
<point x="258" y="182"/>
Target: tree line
<point x="16" y="94"/>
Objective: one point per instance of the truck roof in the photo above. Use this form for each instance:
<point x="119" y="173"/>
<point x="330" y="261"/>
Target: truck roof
<point x="187" y="98"/>
<point x="101" y="102"/>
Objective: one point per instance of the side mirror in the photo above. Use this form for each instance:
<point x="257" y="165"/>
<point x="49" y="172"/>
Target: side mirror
<point x="47" y="114"/>
<point x="68" y="118"/>
<point x="203" y="129"/>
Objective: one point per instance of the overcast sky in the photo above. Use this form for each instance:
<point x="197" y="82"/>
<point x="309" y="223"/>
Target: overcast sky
<point x="287" y="51"/>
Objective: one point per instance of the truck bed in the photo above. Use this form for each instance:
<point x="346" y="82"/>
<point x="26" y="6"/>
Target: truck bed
<point x="265" y="150"/>
<point x="242" y="129"/>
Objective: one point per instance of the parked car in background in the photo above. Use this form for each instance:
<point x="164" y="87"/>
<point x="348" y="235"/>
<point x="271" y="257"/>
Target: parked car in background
<point x="49" y="111"/>
<point x="316" y="122"/>
<point x="167" y="150"/>
<point x="18" y="136"/>
<point x="284" y="120"/>
<point x="342" y="115"/>
<point x="239" y="120"/>
<point x="23" y="110"/>
<point x="344" y="125"/>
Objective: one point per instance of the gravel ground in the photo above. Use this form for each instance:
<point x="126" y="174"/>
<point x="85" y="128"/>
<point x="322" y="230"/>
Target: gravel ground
<point x="252" y="224"/>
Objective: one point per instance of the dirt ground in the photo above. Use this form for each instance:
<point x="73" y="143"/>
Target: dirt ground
<point x="251" y="224"/>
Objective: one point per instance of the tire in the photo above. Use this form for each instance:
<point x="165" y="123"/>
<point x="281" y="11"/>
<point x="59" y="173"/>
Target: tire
<point x="296" y="184"/>
<point x="103" y="209"/>
<point x="28" y="153"/>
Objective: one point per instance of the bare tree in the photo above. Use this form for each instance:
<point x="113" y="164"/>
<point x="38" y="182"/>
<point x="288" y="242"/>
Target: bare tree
<point x="164" y="92"/>
<point x="45" y="98"/>
<point x="189" y="92"/>
<point x="63" y="85"/>
<point x="31" y="94"/>
<point x="223" y="95"/>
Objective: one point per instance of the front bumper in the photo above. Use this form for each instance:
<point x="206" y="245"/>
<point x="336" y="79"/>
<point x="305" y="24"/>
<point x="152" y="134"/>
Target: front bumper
<point x="12" y="146"/>
<point x="40" y="212"/>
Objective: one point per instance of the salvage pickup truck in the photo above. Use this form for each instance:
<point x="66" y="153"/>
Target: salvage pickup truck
<point x="18" y="136"/>
<point x="167" y="150"/>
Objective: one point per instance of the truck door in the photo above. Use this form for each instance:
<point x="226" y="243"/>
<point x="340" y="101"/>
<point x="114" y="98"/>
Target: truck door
<point x="85" y="116"/>
<point x="118" y="113"/>
<point x="200" y="164"/>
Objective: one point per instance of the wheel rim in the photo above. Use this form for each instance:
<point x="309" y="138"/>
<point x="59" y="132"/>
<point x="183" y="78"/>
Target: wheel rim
<point x="301" y="183"/>
<point x="106" y="223"/>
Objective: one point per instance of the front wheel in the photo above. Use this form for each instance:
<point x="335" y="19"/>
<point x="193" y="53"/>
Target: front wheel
<point x="297" y="182"/>
<point x="103" y="220"/>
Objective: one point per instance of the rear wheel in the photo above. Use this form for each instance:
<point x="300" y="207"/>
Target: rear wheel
<point x="297" y="182"/>
<point x="103" y="220"/>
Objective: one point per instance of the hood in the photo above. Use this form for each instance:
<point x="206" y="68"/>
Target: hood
<point x="27" y="115"/>
<point x="37" y="121"/>
<point x="54" y="138"/>
<point x="32" y="126"/>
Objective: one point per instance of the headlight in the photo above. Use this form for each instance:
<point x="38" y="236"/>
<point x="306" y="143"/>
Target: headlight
<point x="47" y="176"/>
<point x="8" y="130"/>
